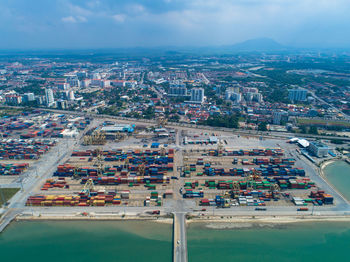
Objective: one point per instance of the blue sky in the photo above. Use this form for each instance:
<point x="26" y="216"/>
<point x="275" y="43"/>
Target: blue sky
<point x="115" y="23"/>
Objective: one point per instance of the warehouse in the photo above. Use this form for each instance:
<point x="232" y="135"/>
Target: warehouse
<point x="118" y="128"/>
<point x="318" y="149"/>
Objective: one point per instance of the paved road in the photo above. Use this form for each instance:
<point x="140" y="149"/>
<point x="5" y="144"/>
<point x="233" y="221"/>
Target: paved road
<point x="180" y="239"/>
<point x="190" y="126"/>
<point x="36" y="175"/>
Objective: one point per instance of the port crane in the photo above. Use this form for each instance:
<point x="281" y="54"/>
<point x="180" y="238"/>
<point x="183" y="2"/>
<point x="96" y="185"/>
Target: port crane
<point x="88" y="187"/>
<point x="96" y="138"/>
<point x="142" y="169"/>
<point x="274" y="188"/>
<point x="76" y="173"/>
<point x="161" y="121"/>
<point x="220" y="148"/>
<point x="119" y="137"/>
<point x="99" y="162"/>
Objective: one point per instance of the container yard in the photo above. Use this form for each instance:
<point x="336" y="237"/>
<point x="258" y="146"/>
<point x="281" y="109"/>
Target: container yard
<point x="39" y="124"/>
<point x="24" y="148"/>
<point x="12" y="169"/>
<point x="253" y="177"/>
<point x="138" y="177"/>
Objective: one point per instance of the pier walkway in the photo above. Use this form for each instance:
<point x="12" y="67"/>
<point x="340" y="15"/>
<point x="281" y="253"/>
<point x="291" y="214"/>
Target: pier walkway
<point x="180" y="241"/>
<point x="7" y="218"/>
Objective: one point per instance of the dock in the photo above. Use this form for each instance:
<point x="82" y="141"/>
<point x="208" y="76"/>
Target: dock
<point x="180" y="240"/>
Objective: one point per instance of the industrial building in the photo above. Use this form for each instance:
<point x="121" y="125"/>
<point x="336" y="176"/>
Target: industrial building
<point x="318" y="149"/>
<point x="118" y="128"/>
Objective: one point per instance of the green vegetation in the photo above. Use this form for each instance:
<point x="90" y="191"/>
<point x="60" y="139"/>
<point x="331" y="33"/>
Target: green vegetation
<point x="6" y="111"/>
<point x="337" y="142"/>
<point x="34" y="86"/>
<point x="230" y="121"/>
<point x="262" y="126"/>
<point x="323" y="122"/>
<point x="6" y="194"/>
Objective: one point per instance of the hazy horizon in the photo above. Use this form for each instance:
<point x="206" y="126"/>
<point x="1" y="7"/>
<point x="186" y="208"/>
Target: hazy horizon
<point x="105" y="24"/>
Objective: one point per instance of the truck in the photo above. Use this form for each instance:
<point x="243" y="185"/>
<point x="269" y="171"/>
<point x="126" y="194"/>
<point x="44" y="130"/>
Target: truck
<point x="302" y="209"/>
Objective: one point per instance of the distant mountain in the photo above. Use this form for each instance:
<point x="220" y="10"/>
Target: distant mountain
<point x="258" y="44"/>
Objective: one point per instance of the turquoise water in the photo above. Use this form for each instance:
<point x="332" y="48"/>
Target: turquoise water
<point x="75" y="241"/>
<point x="141" y="241"/>
<point x="338" y="174"/>
<point x="297" y="242"/>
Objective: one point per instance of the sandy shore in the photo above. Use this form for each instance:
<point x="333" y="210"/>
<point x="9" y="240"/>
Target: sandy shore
<point x="204" y="219"/>
<point x="328" y="162"/>
<point x="262" y="222"/>
<point x="95" y="218"/>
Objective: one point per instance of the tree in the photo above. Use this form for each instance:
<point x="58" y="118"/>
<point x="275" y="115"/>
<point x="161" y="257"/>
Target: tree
<point x="313" y="130"/>
<point x="229" y="121"/>
<point x="262" y="126"/>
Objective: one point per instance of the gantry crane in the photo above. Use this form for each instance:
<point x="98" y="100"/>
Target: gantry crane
<point x="96" y="138"/>
<point x="119" y="136"/>
<point x="99" y="162"/>
<point x="220" y="148"/>
<point x="161" y="121"/>
<point x="274" y="188"/>
<point x="76" y="173"/>
<point x="88" y="187"/>
<point x="162" y="151"/>
<point x="142" y="169"/>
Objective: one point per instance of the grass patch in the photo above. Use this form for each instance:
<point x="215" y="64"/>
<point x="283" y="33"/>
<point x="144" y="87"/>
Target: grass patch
<point x="6" y="194"/>
<point x="323" y="122"/>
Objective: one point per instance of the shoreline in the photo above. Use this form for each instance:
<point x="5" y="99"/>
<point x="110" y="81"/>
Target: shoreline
<point x="271" y="219"/>
<point x="205" y="219"/>
<point x="324" y="177"/>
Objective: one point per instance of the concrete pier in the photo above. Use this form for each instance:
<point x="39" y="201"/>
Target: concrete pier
<point x="180" y="240"/>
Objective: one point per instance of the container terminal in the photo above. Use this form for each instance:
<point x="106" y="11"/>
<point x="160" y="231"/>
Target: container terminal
<point x="69" y="166"/>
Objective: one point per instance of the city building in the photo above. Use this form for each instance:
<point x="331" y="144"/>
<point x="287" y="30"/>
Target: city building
<point x="71" y="96"/>
<point x="254" y="97"/>
<point x="50" y="100"/>
<point x="177" y="88"/>
<point x="28" y="97"/>
<point x="318" y="149"/>
<point x="197" y="95"/>
<point x="73" y="82"/>
<point x="13" y="99"/>
<point x="62" y="86"/>
<point x="228" y="94"/>
<point x="62" y="104"/>
<point x="297" y="94"/>
<point x="279" y="116"/>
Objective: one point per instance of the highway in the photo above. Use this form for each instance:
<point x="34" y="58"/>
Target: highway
<point x="347" y="117"/>
<point x="185" y="126"/>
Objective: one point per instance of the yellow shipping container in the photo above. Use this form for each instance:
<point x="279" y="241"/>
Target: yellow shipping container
<point x="50" y="197"/>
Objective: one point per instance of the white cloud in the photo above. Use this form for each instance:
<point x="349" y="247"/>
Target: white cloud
<point x="136" y="8"/>
<point x="81" y="19"/>
<point x="74" y="19"/>
<point x="120" y="18"/>
<point x="69" y="19"/>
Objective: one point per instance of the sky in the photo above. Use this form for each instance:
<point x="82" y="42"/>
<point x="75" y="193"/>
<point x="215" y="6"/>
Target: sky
<point x="79" y="24"/>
